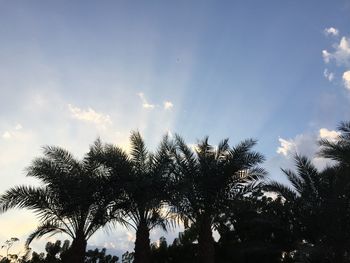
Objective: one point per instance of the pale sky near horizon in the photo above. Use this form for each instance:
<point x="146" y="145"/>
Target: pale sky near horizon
<point x="70" y="71"/>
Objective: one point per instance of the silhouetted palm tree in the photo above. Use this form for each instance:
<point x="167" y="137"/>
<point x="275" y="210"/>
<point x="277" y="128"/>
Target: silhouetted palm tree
<point x="70" y="199"/>
<point x="336" y="207"/>
<point x="206" y="179"/>
<point x="303" y="184"/>
<point x="143" y="177"/>
<point x="305" y="191"/>
<point x="320" y="204"/>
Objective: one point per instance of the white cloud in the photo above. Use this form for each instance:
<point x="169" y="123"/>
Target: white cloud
<point x="346" y="79"/>
<point x="328" y="134"/>
<point x="168" y="105"/>
<point x="341" y="54"/>
<point x="286" y="147"/>
<point x="328" y="75"/>
<point x="145" y="103"/>
<point x="331" y="31"/>
<point x="307" y="145"/>
<point x="90" y="115"/>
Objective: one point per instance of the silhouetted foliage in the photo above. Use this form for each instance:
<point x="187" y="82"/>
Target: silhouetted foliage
<point x="207" y="188"/>
<point x="207" y="179"/>
<point x="70" y="199"/>
<point x="128" y="257"/>
<point x="320" y="202"/>
<point x="138" y="185"/>
<point x="257" y="229"/>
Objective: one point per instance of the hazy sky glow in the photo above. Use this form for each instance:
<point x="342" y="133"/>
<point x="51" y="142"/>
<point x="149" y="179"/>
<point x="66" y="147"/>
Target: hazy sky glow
<point x="70" y="71"/>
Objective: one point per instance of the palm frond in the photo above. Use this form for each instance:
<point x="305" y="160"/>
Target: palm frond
<point x="60" y="156"/>
<point x="222" y="149"/>
<point x="308" y="172"/>
<point x="48" y="227"/>
<point x="244" y="147"/>
<point x="294" y="179"/>
<point x="184" y="155"/>
<point x="281" y="189"/>
<point x="344" y="128"/>
<point x="32" y="198"/>
<point x="139" y="152"/>
<point x="338" y="151"/>
<point x="48" y="171"/>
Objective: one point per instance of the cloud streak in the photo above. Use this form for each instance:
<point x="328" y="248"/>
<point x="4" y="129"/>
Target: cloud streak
<point x="328" y="75"/>
<point x="145" y="103"/>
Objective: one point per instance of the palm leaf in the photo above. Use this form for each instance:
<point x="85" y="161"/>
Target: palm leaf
<point x="281" y="189"/>
<point x="48" y="227"/>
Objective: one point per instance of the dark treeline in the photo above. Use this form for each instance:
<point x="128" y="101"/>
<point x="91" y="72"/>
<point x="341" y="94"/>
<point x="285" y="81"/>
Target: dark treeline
<point x="205" y="188"/>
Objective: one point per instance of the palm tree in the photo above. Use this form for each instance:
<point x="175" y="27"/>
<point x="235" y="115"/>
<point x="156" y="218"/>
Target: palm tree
<point x="337" y="204"/>
<point x="305" y="192"/>
<point x="304" y="184"/>
<point x="320" y="207"/>
<point x="143" y="177"/>
<point x="206" y="179"/>
<point x="69" y="200"/>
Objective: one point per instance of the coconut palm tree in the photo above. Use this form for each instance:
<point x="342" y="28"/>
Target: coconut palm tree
<point x="143" y="177"/>
<point x="69" y="200"/>
<point x="206" y="178"/>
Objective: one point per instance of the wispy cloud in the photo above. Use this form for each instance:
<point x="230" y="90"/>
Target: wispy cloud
<point x="331" y="31"/>
<point x="13" y="132"/>
<point x="90" y="115"/>
<point x="145" y="103"/>
<point x="328" y="75"/>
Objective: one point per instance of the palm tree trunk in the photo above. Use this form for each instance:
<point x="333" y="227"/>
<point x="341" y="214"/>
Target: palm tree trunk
<point x="206" y="252"/>
<point x="142" y="244"/>
<point x="77" y="251"/>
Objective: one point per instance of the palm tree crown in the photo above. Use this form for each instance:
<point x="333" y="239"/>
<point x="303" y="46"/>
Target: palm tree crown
<point x="207" y="178"/>
<point x="70" y="199"/>
<point x="143" y="178"/>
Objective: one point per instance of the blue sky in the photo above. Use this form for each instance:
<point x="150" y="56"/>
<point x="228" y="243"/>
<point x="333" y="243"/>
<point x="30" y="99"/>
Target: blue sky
<point x="74" y="70"/>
